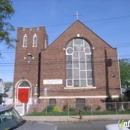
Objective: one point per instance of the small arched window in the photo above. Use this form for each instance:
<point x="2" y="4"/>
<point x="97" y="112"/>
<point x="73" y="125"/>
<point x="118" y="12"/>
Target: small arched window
<point x="25" y="41"/>
<point x="35" y="40"/>
<point x="24" y="84"/>
<point x="45" y="45"/>
<point x="79" y="63"/>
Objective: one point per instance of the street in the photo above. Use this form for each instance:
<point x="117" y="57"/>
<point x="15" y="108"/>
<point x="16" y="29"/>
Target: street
<point x="89" y="125"/>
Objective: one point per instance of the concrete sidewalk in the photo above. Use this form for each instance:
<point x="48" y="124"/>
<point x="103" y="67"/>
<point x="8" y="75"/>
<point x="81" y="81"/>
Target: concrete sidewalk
<point x="76" y="118"/>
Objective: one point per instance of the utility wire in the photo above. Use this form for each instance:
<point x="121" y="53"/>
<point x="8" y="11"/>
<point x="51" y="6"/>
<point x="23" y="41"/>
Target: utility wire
<point x="96" y="20"/>
<point x="6" y="51"/>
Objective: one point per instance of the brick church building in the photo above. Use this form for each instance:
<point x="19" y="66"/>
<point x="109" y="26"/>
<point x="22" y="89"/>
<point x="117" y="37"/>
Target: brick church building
<point x="78" y="67"/>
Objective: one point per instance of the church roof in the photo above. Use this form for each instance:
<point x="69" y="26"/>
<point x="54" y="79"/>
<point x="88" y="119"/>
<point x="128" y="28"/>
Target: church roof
<point x="79" y="23"/>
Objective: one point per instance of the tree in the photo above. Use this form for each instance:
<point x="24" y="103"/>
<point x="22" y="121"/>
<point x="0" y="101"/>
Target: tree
<point x="6" y="12"/>
<point x="8" y="85"/>
<point x="125" y="72"/>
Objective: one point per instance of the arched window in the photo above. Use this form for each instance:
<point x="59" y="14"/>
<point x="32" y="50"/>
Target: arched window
<point x="24" y="84"/>
<point x="25" y="41"/>
<point x="79" y="63"/>
<point x="45" y="45"/>
<point x="35" y="40"/>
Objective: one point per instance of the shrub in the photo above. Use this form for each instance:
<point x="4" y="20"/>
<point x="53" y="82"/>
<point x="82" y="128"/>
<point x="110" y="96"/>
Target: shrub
<point x="87" y="108"/>
<point x="65" y="107"/>
<point x="34" y="111"/>
<point x="109" y="98"/>
<point x="72" y="109"/>
<point x="123" y="98"/>
<point x="98" y="108"/>
<point x="49" y="108"/>
<point x="111" y="106"/>
<point x="56" y="109"/>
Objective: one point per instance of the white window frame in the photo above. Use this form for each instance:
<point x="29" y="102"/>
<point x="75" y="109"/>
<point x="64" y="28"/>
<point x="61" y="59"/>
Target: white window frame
<point x="45" y="45"/>
<point x="79" y="78"/>
<point x="34" y="42"/>
<point x="25" y="40"/>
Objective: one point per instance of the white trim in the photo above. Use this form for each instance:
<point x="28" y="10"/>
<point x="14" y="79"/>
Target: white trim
<point x="67" y="52"/>
<point x="86" y="70"/>
<point x="73" y="97"/>
<point x="80" y="87"/>
<point x="16" y="101"/>
<point x="34" y="36"/>
<point x="35" y="94"/>
<point x="45" y="45"/>
<point x="78" y="35"/>
<point x="25" y="36"/>
<point x="23" y="87"/>
<point x="17" y="86"/>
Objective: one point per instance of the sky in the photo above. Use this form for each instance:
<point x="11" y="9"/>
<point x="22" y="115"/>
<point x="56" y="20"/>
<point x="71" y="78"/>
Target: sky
<point x="109" y="19"/>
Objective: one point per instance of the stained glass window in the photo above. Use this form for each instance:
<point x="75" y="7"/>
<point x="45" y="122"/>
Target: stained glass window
<point x="79" y="71"/>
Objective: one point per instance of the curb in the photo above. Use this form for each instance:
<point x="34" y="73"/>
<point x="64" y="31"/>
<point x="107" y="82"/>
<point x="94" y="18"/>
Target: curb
<point x="76" y="118"/>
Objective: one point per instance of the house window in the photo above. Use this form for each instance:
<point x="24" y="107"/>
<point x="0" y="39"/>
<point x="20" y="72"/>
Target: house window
<point x="52" y="102"/>
<point x="45" y="46"/>
<point x="25" y="41"/>
<point x="79" y="63"/>
<point x="35" y="40"/>
<point x="80" y="104"/>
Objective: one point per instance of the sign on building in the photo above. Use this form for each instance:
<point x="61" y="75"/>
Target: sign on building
<point x="52" y="81"/>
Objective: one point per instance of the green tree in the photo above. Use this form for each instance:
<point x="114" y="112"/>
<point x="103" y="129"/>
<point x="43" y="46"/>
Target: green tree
<point x="8" y="85"/>
<point x="6" y="12"/>
<point x="125" y="72"/>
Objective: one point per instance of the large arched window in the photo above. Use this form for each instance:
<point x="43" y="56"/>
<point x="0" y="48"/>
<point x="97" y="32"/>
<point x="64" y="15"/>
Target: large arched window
<point x="79" y="63"/>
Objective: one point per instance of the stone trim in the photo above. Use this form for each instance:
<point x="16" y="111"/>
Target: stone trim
<point x="80" y="87"/>
<point x="68" y="97"/>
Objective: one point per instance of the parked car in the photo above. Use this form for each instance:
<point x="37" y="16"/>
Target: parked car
<point x="11" y="120"/>
<point x="114" y="127"/>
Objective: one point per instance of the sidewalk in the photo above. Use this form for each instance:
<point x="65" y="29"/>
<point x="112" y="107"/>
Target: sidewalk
<point x="76" y="118"/>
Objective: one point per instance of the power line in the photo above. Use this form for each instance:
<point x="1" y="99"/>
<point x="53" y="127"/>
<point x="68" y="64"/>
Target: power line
<point x="113" y="44"/>
<point x="119" y="46"/>
<point x="96" y="20"/>
<point x="58" y="60"/>
<point x="118" y="17"/>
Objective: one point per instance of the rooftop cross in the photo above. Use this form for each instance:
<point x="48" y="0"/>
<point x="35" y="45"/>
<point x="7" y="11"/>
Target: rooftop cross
<point x="77" y="15"/>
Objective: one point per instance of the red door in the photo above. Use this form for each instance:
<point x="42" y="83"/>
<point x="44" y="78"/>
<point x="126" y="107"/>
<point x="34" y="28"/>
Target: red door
<point x="23" y="95"/>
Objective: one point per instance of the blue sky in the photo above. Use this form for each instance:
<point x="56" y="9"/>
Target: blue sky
<point x="109" y="19"/>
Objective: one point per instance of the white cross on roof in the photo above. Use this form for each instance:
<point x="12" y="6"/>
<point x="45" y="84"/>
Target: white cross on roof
<point x="77" y="15"/>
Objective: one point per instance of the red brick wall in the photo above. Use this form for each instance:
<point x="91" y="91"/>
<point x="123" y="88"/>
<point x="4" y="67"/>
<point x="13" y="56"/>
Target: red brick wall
<point x="22" y="68"/>
<point x="53" y="64"/>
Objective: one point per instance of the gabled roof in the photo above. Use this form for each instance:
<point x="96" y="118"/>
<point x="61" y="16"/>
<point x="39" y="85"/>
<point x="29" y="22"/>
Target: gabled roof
<point x="94" y="33"/>
<point x="77" y="22"/>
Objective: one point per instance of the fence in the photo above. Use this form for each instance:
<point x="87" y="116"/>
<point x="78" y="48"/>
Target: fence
<point x="89" y="109"/>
